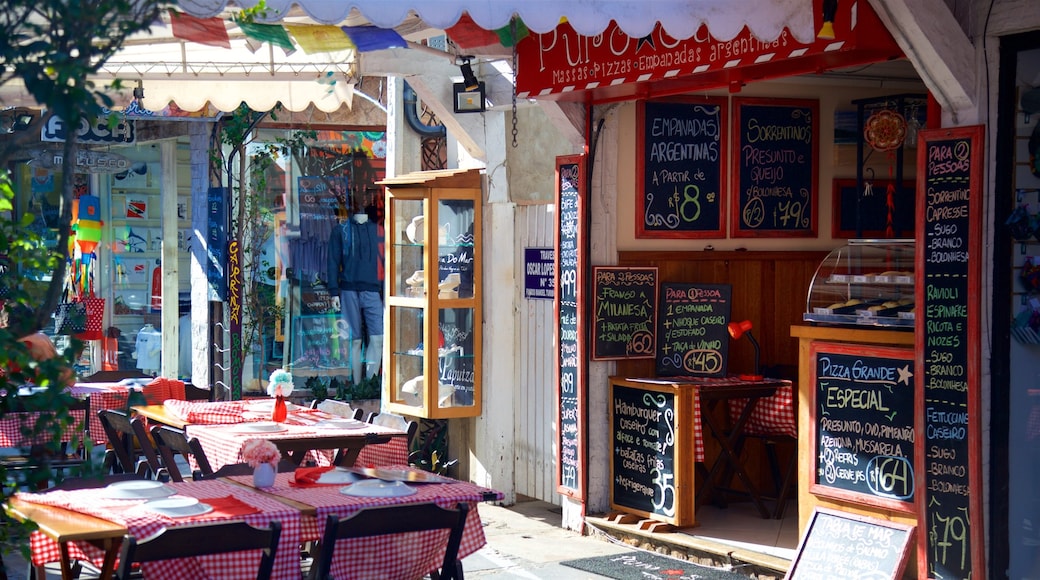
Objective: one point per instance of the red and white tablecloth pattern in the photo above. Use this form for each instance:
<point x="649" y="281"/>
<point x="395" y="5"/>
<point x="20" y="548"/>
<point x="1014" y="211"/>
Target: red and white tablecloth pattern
<point x="208" y="413"/>
<point x="223" y="443"/>
<point x="143" y="523"/>
<point x="771" y="415"/>
<point x="16" y="429"/>
<point x="102" y="396"/>
<point x="414" y="554"/>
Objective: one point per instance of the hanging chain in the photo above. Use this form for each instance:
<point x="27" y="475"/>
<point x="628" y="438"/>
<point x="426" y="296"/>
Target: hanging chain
<point x="512" y="27"/>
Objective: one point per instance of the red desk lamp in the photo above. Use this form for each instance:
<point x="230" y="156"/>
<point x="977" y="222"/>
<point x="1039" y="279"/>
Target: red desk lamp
<point x="737" y="330"/>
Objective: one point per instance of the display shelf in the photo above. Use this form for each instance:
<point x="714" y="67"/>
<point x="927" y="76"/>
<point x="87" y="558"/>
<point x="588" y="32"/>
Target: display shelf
<point x="865" y="283"/>
<point x="433" y="294"/>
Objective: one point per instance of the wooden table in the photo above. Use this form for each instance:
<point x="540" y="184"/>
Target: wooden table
<point x="159" y="414"/>
<point x="64" y="526"/>
<point x="658" y="442"/>
<point x="302" y="511"/>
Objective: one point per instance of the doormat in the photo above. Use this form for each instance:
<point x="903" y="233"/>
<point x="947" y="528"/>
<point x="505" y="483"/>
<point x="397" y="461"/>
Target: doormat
<point x="647" y="565"/>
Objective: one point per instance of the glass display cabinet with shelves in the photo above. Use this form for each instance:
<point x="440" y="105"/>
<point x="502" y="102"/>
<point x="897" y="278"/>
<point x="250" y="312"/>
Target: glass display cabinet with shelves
<point x="865" y="283"/>
<point x="433" y="275"/>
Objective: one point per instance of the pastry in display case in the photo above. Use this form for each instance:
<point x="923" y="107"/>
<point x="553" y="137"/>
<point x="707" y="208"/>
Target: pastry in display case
<point x="433" y="294"/>
<point x="865" y="283"/>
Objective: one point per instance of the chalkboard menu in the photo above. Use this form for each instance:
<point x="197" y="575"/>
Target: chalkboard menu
<point x="775" y="167"/>
<point x="949" y="166"/>
<point x="624" y="312"/>
<point x="863" y="416"/>
<point x="570" y="342"/>
<point x="643" y="430"/>
<point x="680" y="146"/>
<point x="841" y="545"/>
<point x="691" y="330"/>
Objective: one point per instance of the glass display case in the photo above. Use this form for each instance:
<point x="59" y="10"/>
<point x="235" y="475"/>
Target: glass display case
<point x="433" y="293"/>
<point x="865" y="283"/>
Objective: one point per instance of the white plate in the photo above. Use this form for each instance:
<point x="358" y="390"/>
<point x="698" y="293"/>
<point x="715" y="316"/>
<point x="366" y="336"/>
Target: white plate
<point x="268" y="406"/>
<point x="339" y="476"/>
<point x="260" y="427"/>
<point x="378" y="488"/>
<point x="178" y="507"/>
<point x="136" y="489"/>
<point x="341" y="424"/>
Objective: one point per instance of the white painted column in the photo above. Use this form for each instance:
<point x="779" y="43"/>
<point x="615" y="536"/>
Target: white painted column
<point x="168" y="259"/>
<point x="200" y="318"/>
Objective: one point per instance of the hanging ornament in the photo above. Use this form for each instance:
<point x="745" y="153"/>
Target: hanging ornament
<point x="88" y="223"/>
<point x="885" y="130"/>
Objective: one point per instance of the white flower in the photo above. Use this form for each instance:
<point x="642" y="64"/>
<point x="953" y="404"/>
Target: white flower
<point x="280" y="378"/>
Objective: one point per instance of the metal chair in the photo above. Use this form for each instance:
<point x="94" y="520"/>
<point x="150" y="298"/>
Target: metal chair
<point x="379" y="521"/>
<point x="338" y="408"/>
<point x="130" y="448"/>
<point x="395" y="421"/>
<point x="202" y="540"/>
<point x="172" y="442"/>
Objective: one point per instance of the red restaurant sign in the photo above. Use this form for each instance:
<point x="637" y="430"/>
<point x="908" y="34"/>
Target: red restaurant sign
<point x="612" y="65"/>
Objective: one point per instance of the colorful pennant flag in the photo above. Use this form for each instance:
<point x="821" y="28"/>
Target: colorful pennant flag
<point x="315" y="39"/>
<point x="505" y="34"/>
<point x="270" y="33"/>
<point x="209" y="31"/>
<point x="466" y="34"/>
<point x="369" y="38"/>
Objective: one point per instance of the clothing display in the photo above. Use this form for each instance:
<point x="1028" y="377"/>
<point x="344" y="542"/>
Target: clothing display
<point x="149" y="349"/>
<point x="355" y="273"/>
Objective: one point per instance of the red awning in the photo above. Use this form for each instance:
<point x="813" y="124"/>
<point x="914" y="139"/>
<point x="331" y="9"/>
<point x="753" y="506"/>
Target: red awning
<point x="566" y="65"/>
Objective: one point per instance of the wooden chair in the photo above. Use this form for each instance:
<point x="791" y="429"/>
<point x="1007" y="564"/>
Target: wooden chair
<point x="39" y="456"/>
<point x="202" y="540"/>
<point x="284" y="466"/>
<point x="193" y="393"/>
<point x="395" y="421"/>
<point x="379" y="521"/>
<point x="130" y="448"/>
<point x="172" y="442"/>
<point x="338" y="408"/>
<point x="114" y="376"/>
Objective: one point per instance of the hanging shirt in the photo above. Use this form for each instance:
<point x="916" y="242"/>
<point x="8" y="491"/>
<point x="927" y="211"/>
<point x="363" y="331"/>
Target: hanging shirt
<point x="356" y="257"/>
<point x="149" y="349"/>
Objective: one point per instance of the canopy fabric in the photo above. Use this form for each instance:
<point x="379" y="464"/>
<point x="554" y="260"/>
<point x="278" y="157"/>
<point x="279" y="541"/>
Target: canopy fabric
<point x="637" y="18"/>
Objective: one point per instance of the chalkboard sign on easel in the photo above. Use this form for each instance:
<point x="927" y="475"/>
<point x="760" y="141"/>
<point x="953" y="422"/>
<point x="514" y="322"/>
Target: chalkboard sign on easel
<point x="680" y="147"/>
<point x="949" y="252"/>
<point x="644" y="434"/>
<point x="691" y="330"/>
<point x="624" y="312"/>
<point x="840" y="545"/>
<point x="863" y="436"/>
<point x="570" y="342"/>
<point x="775" y="167"/>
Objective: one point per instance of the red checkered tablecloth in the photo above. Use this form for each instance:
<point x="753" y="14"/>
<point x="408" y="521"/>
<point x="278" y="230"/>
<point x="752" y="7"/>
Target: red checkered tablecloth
<point x="413" y="554"/>
<point x="142" y="523"/>
<point x="773" y="415"/>
<point x="16" y="429"/>
<point x="208" y="413"/>
<point x="223" y="443"/>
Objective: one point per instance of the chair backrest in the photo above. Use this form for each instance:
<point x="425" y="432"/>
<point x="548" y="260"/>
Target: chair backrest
<point x="201" y="540"/>
<point x="193" y="393"/>
<point x="378" y="521"/>
<point x="171" y="442"/>
<point x="395" y="421"/>
<point x="114" y="376"/>
<point x="284" y="466"/>
<point x="339" y="409"/>
<point x="128" y="439"/>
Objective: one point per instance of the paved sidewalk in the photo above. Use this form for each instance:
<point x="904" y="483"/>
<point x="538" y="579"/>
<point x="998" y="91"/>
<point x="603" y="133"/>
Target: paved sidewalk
<point x="525" y="541"/>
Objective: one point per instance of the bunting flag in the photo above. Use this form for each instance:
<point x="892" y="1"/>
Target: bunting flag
<point x="468" y="35"/>
<point x="370" y="38"/>
<point x="315" y="39"/>
<point x="270" y="33"/>
<point x="209" y="31"/>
